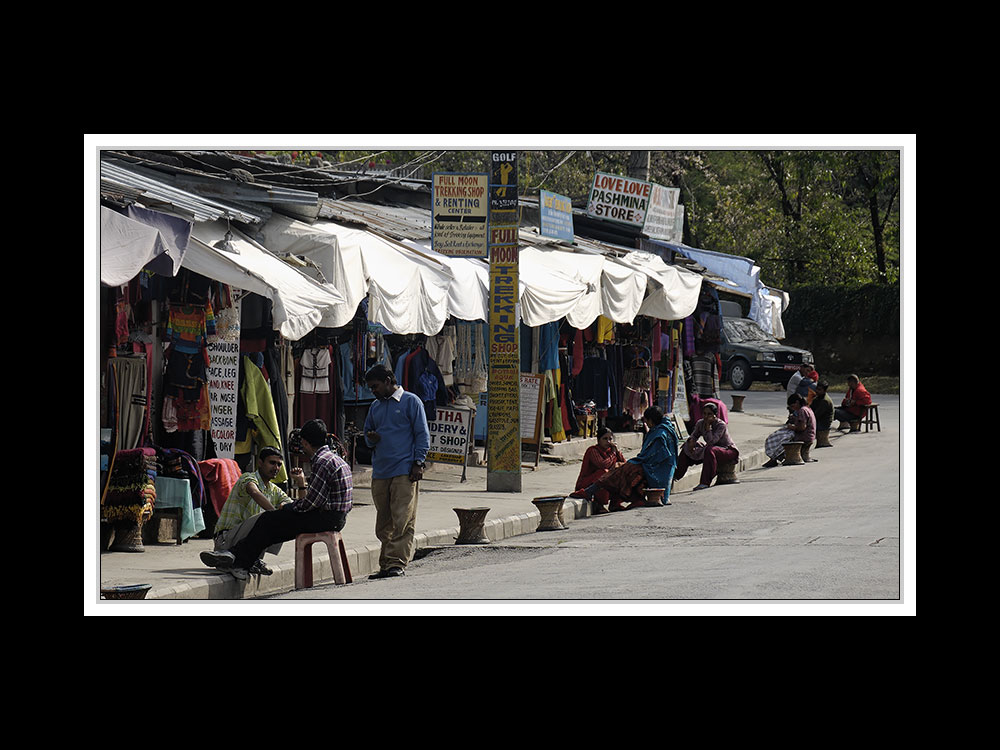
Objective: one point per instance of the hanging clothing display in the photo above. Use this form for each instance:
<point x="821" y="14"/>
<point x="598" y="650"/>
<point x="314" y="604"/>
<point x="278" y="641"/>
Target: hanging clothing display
<point x="442" y="351"/>
<point x="127" y="380"/>
<point x="605" y="330"/>
<point x="189" y="326"/>
<point x="637" y="385"/>
<point x="309" y="402"/>
<point x="594" y="383"/>
<point x="315" y="373"/>
<point x="418" y="373"/>
<point x="702" y="374"/>
<point x="262" y="429"/>
<point x="219" y="476"/>
<point x="470" y="372"/>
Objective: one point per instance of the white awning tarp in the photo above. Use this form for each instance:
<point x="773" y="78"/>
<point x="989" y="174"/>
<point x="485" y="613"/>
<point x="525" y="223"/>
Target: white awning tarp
<point x="299" y="302"/>
<point x="611" y="290"/>
<point x="176" y="233"/>
<point x="333" y="263"/>
<point x="672" y="293"/>
<point x="409" y="289"/>
<point x="127" y="246"/>
<point x="469" y="293"/>
<point x="547" y="292"/>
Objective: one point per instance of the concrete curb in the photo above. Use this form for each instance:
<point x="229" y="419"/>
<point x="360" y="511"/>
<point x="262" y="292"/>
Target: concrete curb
<point x="364" y="560"/>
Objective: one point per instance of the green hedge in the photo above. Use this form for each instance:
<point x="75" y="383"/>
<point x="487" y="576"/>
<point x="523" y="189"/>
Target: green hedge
<point x="872" y="309"/>
<point x="848" y="329"/>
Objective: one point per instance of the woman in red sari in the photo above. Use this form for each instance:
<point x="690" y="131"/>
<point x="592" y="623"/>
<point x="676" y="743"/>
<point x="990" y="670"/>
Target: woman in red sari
<point x="597" y="462"/>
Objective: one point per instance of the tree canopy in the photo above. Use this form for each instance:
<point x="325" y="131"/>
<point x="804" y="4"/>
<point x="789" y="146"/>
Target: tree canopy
<point x="816" y="217"/>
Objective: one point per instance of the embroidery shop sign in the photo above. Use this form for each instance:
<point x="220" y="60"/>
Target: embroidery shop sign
<point x="451" y="434"/>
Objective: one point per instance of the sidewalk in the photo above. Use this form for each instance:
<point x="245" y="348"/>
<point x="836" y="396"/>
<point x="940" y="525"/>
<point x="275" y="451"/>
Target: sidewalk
<point x="176" y="572"/>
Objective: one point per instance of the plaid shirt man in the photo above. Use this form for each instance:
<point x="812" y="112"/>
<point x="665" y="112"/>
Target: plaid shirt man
<point x="331" y="484"/>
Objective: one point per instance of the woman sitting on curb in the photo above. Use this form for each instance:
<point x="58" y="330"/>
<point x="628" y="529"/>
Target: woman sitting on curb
<point x="598" y="461"/>
<point x="653" y="467"/>
<point x="717" y="448"/>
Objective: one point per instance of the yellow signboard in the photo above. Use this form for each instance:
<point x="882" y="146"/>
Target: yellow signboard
<point x="503" y="407"/>
<point x="459" y="214"/>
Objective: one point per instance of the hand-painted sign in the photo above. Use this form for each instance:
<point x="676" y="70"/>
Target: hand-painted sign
<point x="451" y="435"/>
<point x="223" y="378"/>
<point x="622" y="199"/>
<point x="503" y="180"/>
<point x="503" y="436"/>
<point x="459" y="213"/>
<point x="557" y="215"/>
<point x="661" y="217"/>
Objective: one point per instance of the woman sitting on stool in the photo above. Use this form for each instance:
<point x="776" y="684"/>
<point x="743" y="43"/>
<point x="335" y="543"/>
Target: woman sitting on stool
<point x="717" y="448"/>
<point x="801" y="426"/>
<point x="598" y="461"/>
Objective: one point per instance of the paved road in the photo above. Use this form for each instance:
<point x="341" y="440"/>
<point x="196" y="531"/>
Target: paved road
<point x="825" y="534"/>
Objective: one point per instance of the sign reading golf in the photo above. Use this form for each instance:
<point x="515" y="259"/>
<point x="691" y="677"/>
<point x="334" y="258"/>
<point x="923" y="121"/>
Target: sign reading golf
<point x="459" y="211"/>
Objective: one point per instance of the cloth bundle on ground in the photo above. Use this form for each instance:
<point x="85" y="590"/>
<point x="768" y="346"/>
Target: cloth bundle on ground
<point x="131" y="491"/>
<point x="179" y="464"/>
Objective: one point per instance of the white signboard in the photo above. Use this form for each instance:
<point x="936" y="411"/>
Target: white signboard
<point x="622" y="199"/>
<point x="662" y="213"/>
<point x="223" y="378"/>
<point x="451" y="434"/>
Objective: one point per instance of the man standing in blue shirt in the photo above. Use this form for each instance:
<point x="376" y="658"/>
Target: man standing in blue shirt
<point x="396" y="431"/>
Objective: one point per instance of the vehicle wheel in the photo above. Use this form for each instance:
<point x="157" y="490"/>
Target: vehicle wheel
<point x="740" y="377"/>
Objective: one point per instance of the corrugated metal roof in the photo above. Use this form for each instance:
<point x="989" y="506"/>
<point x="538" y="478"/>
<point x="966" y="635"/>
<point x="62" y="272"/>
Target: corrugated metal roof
<point x="131" y="182"/>
<point x="404" y="222"/>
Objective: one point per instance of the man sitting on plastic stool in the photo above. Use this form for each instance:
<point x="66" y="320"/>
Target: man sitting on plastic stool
<point x="253" y="494"/>
<point x="324" y="507"/>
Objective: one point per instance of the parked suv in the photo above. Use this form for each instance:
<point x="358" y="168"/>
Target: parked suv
<point x="749" y="354"/>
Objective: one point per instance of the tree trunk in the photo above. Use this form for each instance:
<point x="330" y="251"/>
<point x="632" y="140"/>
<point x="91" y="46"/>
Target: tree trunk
<point x="638" y="165"/>
<point x="883" y="277"/>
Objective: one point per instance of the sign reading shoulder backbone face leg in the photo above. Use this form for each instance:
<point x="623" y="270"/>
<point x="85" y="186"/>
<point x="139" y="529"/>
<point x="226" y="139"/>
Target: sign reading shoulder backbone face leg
<point x="459" y="213"/>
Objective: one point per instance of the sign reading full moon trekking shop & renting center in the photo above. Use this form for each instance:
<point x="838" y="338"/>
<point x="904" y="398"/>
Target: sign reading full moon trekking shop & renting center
<point x="460" y="214"/>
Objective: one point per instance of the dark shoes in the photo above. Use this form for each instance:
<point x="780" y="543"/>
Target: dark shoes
<point x="390" y="573"/>
<point x="221" y="560"/>
<point x="259" y="569"/>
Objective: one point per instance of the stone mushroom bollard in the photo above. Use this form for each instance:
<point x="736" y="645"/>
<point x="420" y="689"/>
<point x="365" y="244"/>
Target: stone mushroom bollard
<point x="550" y="508"/>
<point x="823" y="439"/>
<point x="727" y="474"/>
<point x="738" y="402"/>
<point x="793" y="453"/>
<point x="470" y="525"/>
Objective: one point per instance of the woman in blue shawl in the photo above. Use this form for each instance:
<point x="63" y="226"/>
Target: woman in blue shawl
<point x="653" y="467"/>
<point x="658" y="456"/>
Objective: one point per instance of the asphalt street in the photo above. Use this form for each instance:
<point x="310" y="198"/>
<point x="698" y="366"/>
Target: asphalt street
<point x="822" y="535"/>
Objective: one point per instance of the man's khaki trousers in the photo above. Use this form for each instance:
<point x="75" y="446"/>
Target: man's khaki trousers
<point x="395" y="519"/>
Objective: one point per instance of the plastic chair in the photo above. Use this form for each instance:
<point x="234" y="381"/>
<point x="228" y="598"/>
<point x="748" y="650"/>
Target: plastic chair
<point x="303" y="558"/>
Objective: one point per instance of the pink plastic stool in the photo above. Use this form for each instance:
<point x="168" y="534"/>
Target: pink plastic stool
<point x="303" y="558"/>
